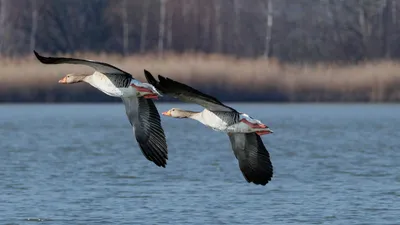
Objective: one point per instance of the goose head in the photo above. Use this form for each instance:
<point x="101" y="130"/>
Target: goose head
<point x="178" y="113"/>
<point x="72" y="78"/>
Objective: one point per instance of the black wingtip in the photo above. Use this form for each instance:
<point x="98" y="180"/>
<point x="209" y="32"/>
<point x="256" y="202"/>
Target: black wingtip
<point x="42" y="59"/>
<point x="162" y="162"/>
<point x="36" y="54"/>
<point x="159" y="163"/>
<point x="148" y="75"/>
<point x="162" y="80"/>
<point x="161" y="77"/>
<point x="261" y="180"/>
<point x="146" y="71"/>
<point x="150" y="78"/>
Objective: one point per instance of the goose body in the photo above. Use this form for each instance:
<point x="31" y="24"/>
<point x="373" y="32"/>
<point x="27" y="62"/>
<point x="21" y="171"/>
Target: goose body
<point x="212" y="119"/>
<point x="103" y="83"/>
<point x="136" y="96"/>
<point x="229" y="122"/>
<point x="243" y="131"/>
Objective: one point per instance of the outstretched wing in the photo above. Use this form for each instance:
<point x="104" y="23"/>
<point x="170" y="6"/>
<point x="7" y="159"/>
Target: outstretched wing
<point x="145" y="120"/>
<point x="253" y="157"/>
<point x="186" y="93"/>
<point x="99" y="66"/>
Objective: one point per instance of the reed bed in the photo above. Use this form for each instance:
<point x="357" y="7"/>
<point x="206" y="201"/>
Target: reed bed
<point x="228" y="78"/>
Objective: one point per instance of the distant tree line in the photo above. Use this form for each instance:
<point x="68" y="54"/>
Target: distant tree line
<point x="289" y="30"/>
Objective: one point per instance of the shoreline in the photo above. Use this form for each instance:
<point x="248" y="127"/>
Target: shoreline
<point x="227" y="78"/>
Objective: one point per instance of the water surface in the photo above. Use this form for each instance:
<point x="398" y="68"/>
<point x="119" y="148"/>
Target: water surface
<point x="79" y="164"/>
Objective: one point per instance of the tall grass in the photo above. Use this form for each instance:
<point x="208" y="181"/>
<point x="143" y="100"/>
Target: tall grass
<point x="227" y="78"/>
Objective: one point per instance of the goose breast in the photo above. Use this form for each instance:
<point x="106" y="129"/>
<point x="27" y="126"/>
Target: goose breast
<point x="107" y="86"/>
<point x="217" y="120"/>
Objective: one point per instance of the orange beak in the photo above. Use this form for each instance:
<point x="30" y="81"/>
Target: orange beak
<point x="167" y="113"/>
<point x="63" y="80"/>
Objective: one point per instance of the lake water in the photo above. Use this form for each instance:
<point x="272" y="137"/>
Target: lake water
<point x="80" y="164"/>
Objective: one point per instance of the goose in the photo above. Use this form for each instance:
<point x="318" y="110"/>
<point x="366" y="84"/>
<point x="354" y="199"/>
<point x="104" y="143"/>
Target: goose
<point x="136" y="96"/>
<point x="244" y="132"/>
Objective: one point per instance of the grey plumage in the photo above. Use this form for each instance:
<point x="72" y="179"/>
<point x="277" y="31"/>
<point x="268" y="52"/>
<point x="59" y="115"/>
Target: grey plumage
<point x="120" y="81"/>
<point x="248" y="148"/>
<point x="186" y="93"/>
<point x="253" y="157"/>
<point x="118" y="77"/>
<point x="146" y="123"/>
<point x="142" y="113"/>
<point x="229" y="117"/>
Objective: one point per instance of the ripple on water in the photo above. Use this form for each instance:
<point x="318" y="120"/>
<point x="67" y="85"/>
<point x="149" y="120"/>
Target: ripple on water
<point x="64" y="164"/>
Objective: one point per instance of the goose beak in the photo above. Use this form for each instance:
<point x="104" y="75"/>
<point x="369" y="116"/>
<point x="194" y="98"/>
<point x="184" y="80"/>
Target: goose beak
<point x="167" y="113"/>
<point x="63" y="80"/>
<point x="263" y="132"/>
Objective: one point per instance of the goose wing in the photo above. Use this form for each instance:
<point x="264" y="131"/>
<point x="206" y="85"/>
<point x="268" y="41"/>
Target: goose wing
<point x="99" y="66"/>
<point x="186" y="93"/>
<point x="253" y="157"/>
<point x="146" y="123"/>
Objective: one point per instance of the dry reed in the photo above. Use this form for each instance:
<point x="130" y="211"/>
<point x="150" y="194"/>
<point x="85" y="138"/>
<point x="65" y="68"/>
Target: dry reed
<point x="226" y="77"/>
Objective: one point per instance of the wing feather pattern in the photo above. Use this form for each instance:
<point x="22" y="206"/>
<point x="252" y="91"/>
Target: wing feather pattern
<point x="186" y="93"/>
<point x="145" y="120"/>
<point x="104" y="68"/>
<point x="253" y="157"/>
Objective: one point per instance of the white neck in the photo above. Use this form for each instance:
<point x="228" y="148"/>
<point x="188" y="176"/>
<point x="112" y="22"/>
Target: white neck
<point x="195" y="116"/>
<point x="87" y="79"/>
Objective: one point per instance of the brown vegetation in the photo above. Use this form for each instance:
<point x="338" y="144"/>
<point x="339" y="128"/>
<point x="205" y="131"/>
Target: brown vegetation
<point x="227" y="78"/>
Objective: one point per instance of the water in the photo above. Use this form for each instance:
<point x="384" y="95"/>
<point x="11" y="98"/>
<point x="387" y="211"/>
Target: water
<point x="79" y="164"/>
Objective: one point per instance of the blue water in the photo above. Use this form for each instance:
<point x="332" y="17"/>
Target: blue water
<point x="80" y="164"/>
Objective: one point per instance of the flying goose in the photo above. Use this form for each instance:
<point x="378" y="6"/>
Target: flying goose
<point x="243" y="131"/>
<point x="136" y="96"/>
